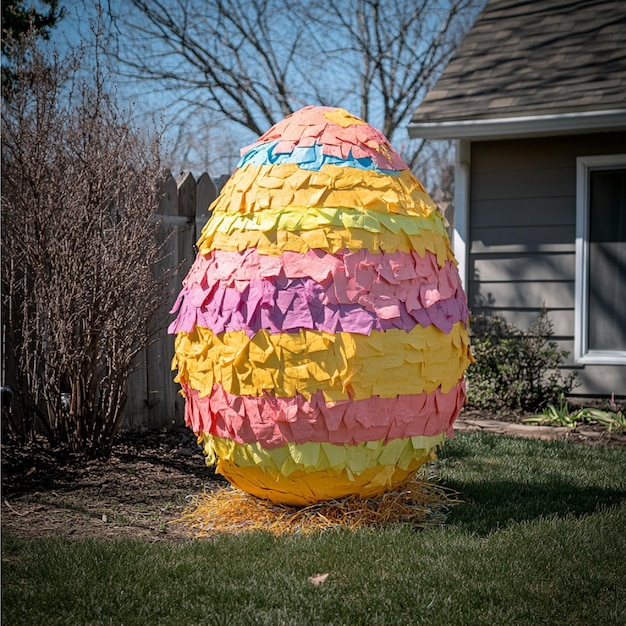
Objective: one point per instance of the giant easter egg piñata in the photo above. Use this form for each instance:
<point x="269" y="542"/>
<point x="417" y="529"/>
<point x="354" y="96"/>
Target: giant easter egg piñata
<point x="322" y="329"/>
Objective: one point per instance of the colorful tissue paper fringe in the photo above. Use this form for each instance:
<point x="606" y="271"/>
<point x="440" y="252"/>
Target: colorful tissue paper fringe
<point x="321" y="333"/>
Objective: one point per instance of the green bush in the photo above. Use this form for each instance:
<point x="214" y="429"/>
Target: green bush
<point x="515" y="370"/>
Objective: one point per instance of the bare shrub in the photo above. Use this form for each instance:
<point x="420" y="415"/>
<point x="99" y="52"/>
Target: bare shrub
<point x="79" y="192"/>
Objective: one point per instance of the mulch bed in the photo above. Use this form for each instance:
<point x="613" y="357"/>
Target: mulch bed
<point x="140" y="491"/>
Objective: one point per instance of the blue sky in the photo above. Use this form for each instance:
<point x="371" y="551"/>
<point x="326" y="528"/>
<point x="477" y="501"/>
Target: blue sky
<point x="210" y="144"/>
<point x="148" y="105"/>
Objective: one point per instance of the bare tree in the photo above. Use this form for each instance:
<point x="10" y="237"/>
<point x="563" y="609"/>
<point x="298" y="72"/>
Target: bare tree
<point x="388" y="54"/>
<point x="79" y="191"/>
<point x="17" y="20"/>
<point x="254" y="61"/>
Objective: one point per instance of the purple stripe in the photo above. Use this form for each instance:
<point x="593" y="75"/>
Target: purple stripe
<point x="281" y="304"/>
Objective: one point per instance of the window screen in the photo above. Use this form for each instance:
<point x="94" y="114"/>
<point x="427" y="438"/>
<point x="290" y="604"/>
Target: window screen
<point x="606" y="319"/>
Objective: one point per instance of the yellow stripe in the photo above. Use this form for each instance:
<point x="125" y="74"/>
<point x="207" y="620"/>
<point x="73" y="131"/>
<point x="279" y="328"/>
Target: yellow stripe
<point x="302" y="488"/>
<point x="260" y="187"/>
<point x="341" y="365"/>
<point x="297" y="219"/>
<point x="328" y="239"/>
<point x="315" y="456"/>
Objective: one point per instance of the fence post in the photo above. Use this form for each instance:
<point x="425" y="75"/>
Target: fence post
<point x="153" y="398"/>
<point x="137" y="412"/>
<point x="205" y="194"/>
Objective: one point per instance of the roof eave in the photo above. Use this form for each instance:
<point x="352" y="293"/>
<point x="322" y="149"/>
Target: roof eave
<point x="523" y="126"/>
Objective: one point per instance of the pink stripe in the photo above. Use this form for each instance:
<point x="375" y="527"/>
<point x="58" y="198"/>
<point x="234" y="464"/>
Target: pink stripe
<point x="273" y="421"/>
<point x="392" y="267"/>
<point x="354" y="292"/>
<point x="308" y="127"/>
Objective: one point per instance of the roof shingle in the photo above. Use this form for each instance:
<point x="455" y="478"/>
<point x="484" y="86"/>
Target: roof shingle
<point x="534" y="58"/>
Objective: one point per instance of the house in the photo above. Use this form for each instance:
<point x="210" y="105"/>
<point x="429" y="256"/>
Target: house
<point x="535" y="99"/>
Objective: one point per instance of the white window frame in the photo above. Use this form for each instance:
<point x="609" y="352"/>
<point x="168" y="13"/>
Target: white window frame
<point x="582" y="354"/>
<point x="460" y="236"/>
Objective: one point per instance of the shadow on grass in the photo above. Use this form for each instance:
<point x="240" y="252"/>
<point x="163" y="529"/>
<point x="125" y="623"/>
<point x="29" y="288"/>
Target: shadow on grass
<point x="492" y="505"/>
<point x="502" y="480"/>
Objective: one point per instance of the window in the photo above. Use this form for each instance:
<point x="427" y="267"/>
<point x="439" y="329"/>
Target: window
<point x="600" y="317"/>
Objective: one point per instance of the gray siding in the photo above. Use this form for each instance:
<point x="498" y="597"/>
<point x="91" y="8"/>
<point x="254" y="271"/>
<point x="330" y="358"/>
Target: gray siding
<point x="522" y="236"/>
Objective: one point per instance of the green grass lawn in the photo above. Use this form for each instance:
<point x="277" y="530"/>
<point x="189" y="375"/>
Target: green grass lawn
<point x="539" y="539"/>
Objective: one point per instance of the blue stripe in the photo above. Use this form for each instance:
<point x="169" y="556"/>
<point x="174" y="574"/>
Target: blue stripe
<point x="311" y="158"/>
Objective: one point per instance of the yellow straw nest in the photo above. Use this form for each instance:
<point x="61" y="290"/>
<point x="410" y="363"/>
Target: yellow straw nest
<point x="419" y="503"/>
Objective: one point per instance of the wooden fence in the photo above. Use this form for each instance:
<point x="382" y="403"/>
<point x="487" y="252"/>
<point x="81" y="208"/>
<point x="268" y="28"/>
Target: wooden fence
<point x="153" y="398"/>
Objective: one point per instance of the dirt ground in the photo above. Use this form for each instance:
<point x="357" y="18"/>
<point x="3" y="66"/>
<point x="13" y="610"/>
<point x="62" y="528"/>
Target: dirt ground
<point x="142" y="490"/>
